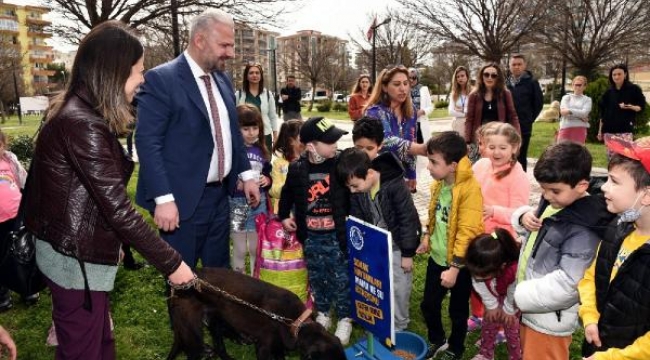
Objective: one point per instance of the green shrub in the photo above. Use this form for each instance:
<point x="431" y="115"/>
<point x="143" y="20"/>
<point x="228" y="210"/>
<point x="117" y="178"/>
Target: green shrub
<point x="23" y="147"/>
<point x="595" y="90"/>
<point x="325" y="106"/>
<point x="338" y="106"/>
<point x="441" y="104"/>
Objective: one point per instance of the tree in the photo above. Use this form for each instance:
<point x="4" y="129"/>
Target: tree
<point x="488" y="29"/>
<point x="11" y="84"/>
<point x="396" y="43"/>
<point x="590" y="33"/>
<point x="82" y="15"/>
<point x="446" y="58"/>
<point x="312" y="57"/>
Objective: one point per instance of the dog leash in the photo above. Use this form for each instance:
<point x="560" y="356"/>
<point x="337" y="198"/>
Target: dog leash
<point x="198" y="284"/>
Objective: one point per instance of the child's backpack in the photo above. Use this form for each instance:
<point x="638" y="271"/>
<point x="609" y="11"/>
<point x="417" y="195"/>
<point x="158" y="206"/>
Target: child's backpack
<point x="280" y="260"/>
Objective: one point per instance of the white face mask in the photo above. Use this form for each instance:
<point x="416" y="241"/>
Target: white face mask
<point x="631" y="214"/>
<point x="315" y="157"/>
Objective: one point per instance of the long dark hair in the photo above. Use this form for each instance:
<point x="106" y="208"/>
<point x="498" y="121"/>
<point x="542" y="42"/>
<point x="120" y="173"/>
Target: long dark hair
<point x="101" y="68"/>
<point x="250" y="115"/>
<point x="623" y="67"/>
<point x="289" y="130"/>
<point x="246" y="84"/>
<point x="499" y="85"/>
<point x="357" y="85"/>
<point x="487" y="253"/>
<point x="378" y="95"/>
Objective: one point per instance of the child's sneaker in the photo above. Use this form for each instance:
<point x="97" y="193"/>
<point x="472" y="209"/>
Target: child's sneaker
<point x="343" y="330"/>
<point x="501" y="337"/>
<point x="5" y="299"/>
<point x="448" y="355"/>
<point x="324" y="320"/>
<point x="474" y="323"/>
<point x="434" y="349"/>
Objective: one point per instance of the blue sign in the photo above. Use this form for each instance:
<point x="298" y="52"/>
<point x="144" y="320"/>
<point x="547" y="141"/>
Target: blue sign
<point x="371" y="278"/>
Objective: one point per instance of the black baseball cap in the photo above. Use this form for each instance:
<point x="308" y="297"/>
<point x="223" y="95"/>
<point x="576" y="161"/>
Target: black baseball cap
<point x="320" y="129"/>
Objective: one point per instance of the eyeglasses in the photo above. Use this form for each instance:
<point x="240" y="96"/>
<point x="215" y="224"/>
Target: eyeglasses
<point x="578" y="85"/>
<point x="490" y="75"/>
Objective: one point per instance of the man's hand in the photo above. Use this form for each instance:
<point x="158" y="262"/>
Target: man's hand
<point x="252" y="191"/>
<point x="407" y="264"/>
<point x="285" y="97"/>
<point x="166" y="217"/>
<point x="448" y="277"/>
<point x="592" y="335"/>
<point x="289" y="224"/>
<point x="8" y="342"/>
<point x="530" y="221"/>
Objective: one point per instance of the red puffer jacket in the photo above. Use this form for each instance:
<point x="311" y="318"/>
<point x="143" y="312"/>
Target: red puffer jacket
<point x="77" y="199"/>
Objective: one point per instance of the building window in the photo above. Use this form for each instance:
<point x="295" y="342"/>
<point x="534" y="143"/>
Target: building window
<point x="7" y="24"/>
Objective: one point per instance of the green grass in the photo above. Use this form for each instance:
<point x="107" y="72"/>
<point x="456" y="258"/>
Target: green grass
<point x="138" y="302"/>
<point x="12" y="127"/>
<point x="544" y="135"/>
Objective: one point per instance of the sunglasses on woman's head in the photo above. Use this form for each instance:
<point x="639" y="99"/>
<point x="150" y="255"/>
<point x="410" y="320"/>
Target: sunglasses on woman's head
<point x="490" y="75"/>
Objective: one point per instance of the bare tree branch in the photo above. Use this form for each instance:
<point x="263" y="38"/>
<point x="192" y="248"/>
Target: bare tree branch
<point x="488" y="29"/>
<point x="397" y="43"/>
<point x="591" y="33"/>
<point x="82" y="15"/>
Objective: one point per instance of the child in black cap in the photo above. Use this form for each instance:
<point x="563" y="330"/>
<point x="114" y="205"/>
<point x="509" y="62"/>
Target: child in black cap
<point x="320" y="205"/>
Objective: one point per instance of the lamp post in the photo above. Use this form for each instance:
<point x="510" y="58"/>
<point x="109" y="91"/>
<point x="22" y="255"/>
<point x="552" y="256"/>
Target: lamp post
<point x="374" y="50"/>
<point x="274" y="73"/>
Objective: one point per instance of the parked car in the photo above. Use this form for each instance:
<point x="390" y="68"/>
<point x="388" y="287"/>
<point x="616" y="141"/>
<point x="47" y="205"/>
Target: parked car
<point x="319" y="97"/>
<point x="338" y="97"/>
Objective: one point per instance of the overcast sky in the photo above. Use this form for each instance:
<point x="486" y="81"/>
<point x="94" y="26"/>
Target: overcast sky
<point x="340" y="18"/>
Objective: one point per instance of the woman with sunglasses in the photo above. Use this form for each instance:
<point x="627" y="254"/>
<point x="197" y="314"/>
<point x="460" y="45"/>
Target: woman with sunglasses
<point x="574" y="111"/>
<point x="391" y="103"/>
<point x="254" y="93"/>
<point x="489" y="101"/>
<point x="359" y="98"/>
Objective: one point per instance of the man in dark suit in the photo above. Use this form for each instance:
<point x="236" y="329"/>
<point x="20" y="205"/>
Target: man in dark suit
<point x="528" y="98"/>
<point x="190" y="147"/>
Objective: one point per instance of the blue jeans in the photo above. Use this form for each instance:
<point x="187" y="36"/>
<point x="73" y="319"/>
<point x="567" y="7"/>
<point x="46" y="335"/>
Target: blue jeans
<point x="327" y="269"/>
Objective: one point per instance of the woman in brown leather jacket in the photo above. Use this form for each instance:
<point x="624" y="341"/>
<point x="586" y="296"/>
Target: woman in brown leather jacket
<point x="76" y="199"/>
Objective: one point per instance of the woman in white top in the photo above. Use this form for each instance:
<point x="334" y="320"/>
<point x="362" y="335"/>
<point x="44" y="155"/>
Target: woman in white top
<point x="458" y="103"/>
<point x="254" y="93"/>
<point x="574" y="111"/>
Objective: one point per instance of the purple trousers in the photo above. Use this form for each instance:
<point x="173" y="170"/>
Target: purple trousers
<point x="489" y="331"/>
<point x="81" y="334"/>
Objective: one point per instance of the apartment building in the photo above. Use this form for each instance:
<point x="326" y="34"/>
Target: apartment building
<point x="22" y="35"/>
<point x="310" y="49"/>
<point x="254" y="46"/>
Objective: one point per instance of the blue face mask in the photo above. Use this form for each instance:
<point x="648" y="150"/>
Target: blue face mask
<point x="631" y="215"/>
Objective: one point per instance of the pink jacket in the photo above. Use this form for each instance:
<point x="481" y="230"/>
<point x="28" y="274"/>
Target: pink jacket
<point x="505" y="194"/>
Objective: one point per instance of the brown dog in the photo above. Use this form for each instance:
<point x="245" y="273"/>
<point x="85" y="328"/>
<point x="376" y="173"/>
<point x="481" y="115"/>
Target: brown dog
<point x="220" y="300"/>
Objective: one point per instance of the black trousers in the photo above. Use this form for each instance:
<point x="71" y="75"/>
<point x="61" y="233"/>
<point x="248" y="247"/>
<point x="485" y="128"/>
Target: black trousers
<point x="523" y="151"/>
<point x="431" y="307"/>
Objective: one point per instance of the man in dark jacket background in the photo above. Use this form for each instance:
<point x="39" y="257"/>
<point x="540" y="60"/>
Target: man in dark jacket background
<point x="528" y="98"/>
<point x="290" y="95"/>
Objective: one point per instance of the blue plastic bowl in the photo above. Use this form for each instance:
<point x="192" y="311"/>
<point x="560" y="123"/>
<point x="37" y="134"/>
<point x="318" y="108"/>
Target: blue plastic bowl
<point x="405" y="340"/>
<point x="411" y="342"/>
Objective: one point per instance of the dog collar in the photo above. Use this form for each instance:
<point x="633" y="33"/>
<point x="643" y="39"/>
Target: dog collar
<point x="296" y="325"/>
